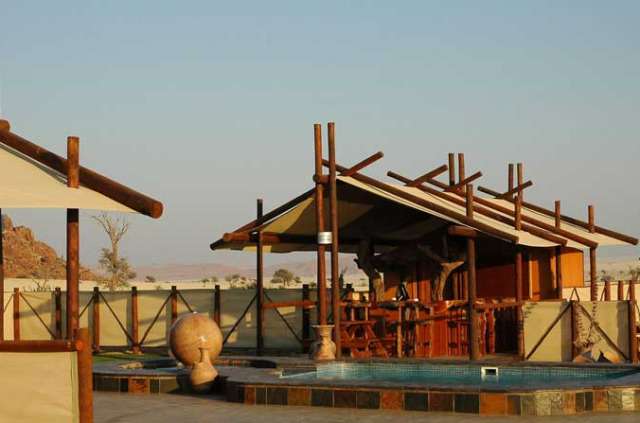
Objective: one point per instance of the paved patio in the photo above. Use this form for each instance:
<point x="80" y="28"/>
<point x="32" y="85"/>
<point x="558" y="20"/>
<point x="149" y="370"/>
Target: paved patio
<point x="115" y="407"/>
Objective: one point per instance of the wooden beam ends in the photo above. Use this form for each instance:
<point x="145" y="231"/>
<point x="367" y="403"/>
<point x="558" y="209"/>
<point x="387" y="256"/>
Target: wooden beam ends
<point x="429" y="175"/>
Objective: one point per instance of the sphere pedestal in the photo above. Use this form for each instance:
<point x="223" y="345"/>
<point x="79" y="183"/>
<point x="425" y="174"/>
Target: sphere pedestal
<point x="196" y="341"/>
<point x="323" y="348"/>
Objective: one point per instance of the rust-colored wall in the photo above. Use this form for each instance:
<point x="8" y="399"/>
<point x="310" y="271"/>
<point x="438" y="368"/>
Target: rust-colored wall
<point x="572" y="267"/>
<point x="540" y="277"/>
<point x="497" y="279"/>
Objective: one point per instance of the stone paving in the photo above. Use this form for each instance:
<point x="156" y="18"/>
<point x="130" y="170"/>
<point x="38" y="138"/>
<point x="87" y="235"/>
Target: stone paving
<point x="116" y="408"/>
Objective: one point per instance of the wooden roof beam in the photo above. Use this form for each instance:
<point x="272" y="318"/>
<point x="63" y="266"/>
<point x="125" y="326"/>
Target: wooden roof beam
<point x="546" y="232"/>
<point x="551" y="213"/>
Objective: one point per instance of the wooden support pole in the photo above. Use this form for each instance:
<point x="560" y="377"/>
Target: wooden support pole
<point x="519" y="288"/>
<point x="73" y="238"/>
<point x="592" y="274"/>
<point x="216" y="305"/>
<point x="16" y="314"/>
<point x="321" y="256"/>
<point x="592" y="257"/>
<point x="96" y="318"/>
<point x="174" y="304"/>
<point x="607" y="290"/>
<point x="335" y="265"/>
<point x="461" y="171"/>
<point x="510" y="178"/>
<point x="135" y="320"/>
<point x="85" y="376"/>
<point x="559" y="286"/>
<point x="306" y="316"/>
<point x="1" y="280"/>
<point x="620" y="290"/>
<point x="452" y="169"/>
<point x="260" y="284"/>
<point x="474" y="333"/>
<point x="633" y="339"/>
<point x="520" y="182"/>
<point x="57" y="294"/>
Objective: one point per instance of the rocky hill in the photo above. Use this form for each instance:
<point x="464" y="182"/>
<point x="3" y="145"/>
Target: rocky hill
<point x="26" y="257"/>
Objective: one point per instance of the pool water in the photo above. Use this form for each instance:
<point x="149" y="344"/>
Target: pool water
<point x="460" y="374"/>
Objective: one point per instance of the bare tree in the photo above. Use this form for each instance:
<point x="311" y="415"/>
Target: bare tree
<point x="116" y="267"/>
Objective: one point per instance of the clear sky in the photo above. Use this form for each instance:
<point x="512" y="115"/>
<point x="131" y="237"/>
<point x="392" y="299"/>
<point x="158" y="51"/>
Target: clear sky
<point x="210" y="105"/>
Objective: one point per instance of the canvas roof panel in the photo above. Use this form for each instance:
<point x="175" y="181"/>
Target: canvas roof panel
<point x="27" y="184"/>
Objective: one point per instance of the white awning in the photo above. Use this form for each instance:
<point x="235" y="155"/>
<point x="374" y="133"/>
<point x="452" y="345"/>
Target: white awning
<point x="27" y="184"/>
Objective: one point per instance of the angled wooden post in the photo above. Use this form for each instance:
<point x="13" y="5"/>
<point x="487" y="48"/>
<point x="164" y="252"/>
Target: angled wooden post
<point x="57" y="295"/>
<point x="16" y="314"/>
<point x="174" y="304"/>
<point x="216" y="305"/>
<point x="335" y="265"/>
<point x="96" y="318"/>
<point x="592" y="258"/>
<point x="259" y="284"/>
<point x="633" y="338"/>
<point x="319" y="197"/>
<point x="559" y="286"/>
<point x="474" y="335"/>
<point x="518" y="271"/>
<point x="73" y="238"/>
<point x="135" y="320"/>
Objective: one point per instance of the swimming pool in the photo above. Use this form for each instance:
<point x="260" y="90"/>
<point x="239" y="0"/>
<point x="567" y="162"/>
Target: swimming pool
<point x="478" y="376"/>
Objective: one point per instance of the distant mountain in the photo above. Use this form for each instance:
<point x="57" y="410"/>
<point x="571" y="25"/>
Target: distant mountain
<point x="27" y="258"/>
<point x="176" y="272"/>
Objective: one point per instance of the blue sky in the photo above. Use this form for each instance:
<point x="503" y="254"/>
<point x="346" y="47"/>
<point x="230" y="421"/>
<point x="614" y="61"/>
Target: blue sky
<point x="210" y="105"/>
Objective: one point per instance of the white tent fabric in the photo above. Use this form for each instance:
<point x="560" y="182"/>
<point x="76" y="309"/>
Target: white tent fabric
<point x="27" y="184"/>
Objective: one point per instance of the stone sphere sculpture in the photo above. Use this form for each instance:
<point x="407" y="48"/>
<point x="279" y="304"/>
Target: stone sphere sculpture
<point x="196" y="341"/>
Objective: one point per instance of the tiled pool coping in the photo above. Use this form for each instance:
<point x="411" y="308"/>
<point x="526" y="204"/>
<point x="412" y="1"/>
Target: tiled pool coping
<point x="263" y="385"/>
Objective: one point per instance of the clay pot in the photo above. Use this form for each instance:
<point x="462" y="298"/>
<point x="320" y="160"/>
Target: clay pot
<point x="202" y="374"/>
<point x="192" y="331"/>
